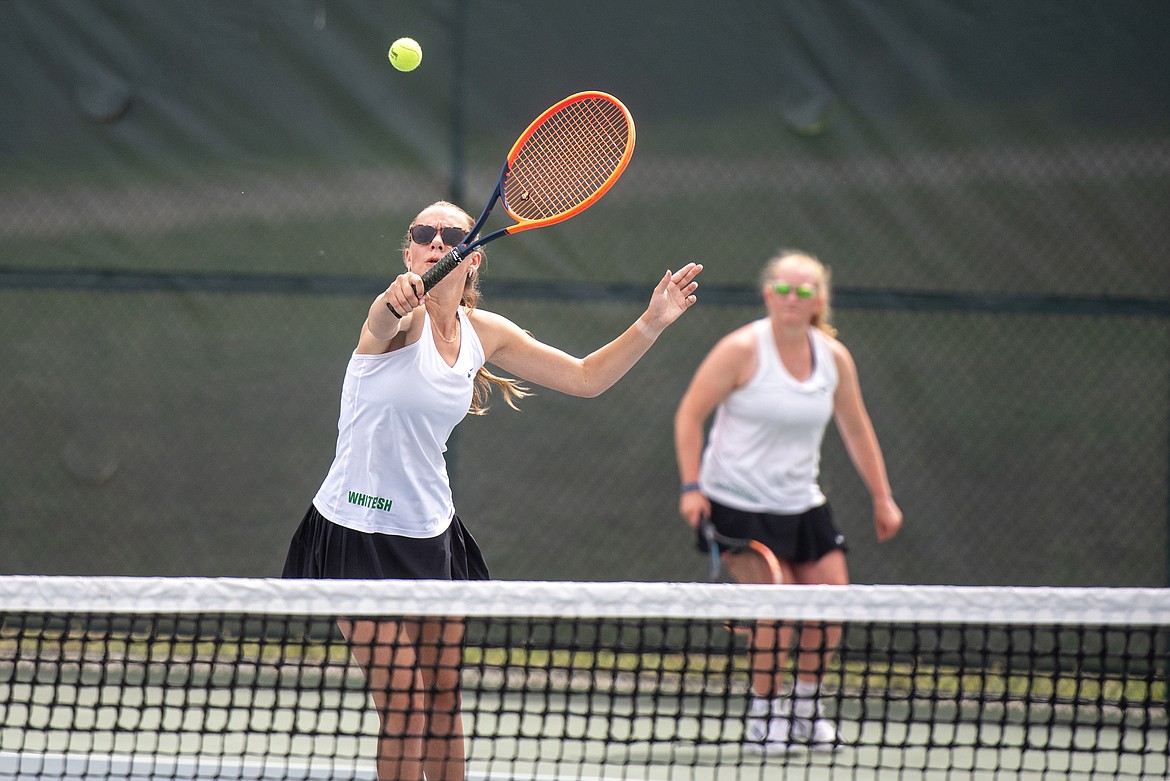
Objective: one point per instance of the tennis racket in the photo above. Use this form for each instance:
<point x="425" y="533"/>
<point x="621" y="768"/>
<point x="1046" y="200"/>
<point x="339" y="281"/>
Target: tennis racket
<point x="560" y="166"/>
<point x="750" y="558"/>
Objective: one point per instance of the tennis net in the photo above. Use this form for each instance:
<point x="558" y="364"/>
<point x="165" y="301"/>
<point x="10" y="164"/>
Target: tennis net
<point x="136" y="678"/>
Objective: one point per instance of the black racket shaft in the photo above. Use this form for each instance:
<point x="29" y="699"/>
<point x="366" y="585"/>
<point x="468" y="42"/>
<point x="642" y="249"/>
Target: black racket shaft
<point x="436" y="273"/>
<point x="449" y="262"/>
<point x="718" y="543"/>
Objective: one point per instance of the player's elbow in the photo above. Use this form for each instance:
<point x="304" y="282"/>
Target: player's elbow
<point x="590" y="379"/>
<point x="588" y="390"/>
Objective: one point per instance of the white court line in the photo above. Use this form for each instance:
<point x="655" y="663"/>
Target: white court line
<point x="141" y="767"/>
<point x="15" y="766"/>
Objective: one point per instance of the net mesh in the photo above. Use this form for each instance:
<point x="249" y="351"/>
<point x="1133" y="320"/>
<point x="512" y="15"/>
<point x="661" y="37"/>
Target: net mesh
<point x="262" y="679"/>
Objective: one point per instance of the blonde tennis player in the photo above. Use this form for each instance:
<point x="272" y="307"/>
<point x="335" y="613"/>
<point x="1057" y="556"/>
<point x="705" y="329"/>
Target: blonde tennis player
<point x="385" y="508"/>
<point x="773" y="386"/>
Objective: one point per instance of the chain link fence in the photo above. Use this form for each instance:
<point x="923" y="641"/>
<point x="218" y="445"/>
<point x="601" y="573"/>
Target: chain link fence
<point x="198" y="201"/>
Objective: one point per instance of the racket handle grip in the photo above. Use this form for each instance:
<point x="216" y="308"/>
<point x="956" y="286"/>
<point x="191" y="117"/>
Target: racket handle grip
<point x="436" y="273"/>
<point x="445" y="266"/>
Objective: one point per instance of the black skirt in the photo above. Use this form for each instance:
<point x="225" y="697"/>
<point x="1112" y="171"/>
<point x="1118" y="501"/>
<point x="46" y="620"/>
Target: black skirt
<point x="797" y="538"/>
<point x="322" y="549"/>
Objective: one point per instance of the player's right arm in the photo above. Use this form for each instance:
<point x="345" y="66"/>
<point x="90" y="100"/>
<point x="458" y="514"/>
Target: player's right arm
<point x="383" y="331"/>
<point x="731" y="362"/>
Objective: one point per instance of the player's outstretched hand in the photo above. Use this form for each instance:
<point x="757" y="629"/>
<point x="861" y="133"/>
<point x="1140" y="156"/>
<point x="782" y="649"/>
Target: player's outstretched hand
<point x="674" y="295"/>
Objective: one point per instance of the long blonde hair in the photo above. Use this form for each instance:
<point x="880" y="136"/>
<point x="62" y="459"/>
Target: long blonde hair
<point x="823" y="319"/>
<point x="485" y="381"/>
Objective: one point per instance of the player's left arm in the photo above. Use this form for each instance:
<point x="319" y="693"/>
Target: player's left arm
<point x="519" y="353"/>
<point x="856" y="429"/>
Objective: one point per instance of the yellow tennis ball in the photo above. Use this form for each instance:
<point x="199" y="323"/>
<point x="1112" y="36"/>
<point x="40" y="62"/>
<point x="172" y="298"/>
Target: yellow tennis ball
<point x="405" y="54"/>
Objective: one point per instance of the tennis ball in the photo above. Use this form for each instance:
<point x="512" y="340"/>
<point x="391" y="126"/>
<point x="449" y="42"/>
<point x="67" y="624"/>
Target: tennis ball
<point x="405" y="54"/>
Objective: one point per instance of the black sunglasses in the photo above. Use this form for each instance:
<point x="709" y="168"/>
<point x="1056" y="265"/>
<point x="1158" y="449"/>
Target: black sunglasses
<point x="425" y="234"/>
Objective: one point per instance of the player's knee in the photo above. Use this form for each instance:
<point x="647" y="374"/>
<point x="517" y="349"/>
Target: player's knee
<point x="447" y="680"/>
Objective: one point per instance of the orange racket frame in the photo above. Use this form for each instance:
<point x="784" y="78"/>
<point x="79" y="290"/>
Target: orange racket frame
<point x="563" y="162"/>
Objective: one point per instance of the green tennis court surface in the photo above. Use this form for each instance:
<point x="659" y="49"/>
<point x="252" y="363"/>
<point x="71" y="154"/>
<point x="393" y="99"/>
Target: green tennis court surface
<point x="699" y="762"/>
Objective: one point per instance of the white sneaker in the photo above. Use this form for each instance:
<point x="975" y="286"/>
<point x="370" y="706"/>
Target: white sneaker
<point x="810" y="726"/>
<point x="768" y="726"/>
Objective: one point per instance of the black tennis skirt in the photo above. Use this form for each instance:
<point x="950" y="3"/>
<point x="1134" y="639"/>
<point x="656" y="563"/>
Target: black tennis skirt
<point x="322" y="549"/>
<point x="802" y="537"/>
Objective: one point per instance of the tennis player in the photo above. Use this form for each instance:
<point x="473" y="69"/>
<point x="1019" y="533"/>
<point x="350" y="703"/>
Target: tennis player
<point x="385" y="508"/>
<point x="773" y="386"/>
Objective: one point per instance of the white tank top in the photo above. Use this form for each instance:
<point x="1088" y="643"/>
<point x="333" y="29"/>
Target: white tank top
<point x="397" y="411"/>
<point x="763" y="453"/>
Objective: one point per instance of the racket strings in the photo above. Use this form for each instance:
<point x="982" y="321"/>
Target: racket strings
<point x="571" y="158"/>
<point x="566" y="167"/>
